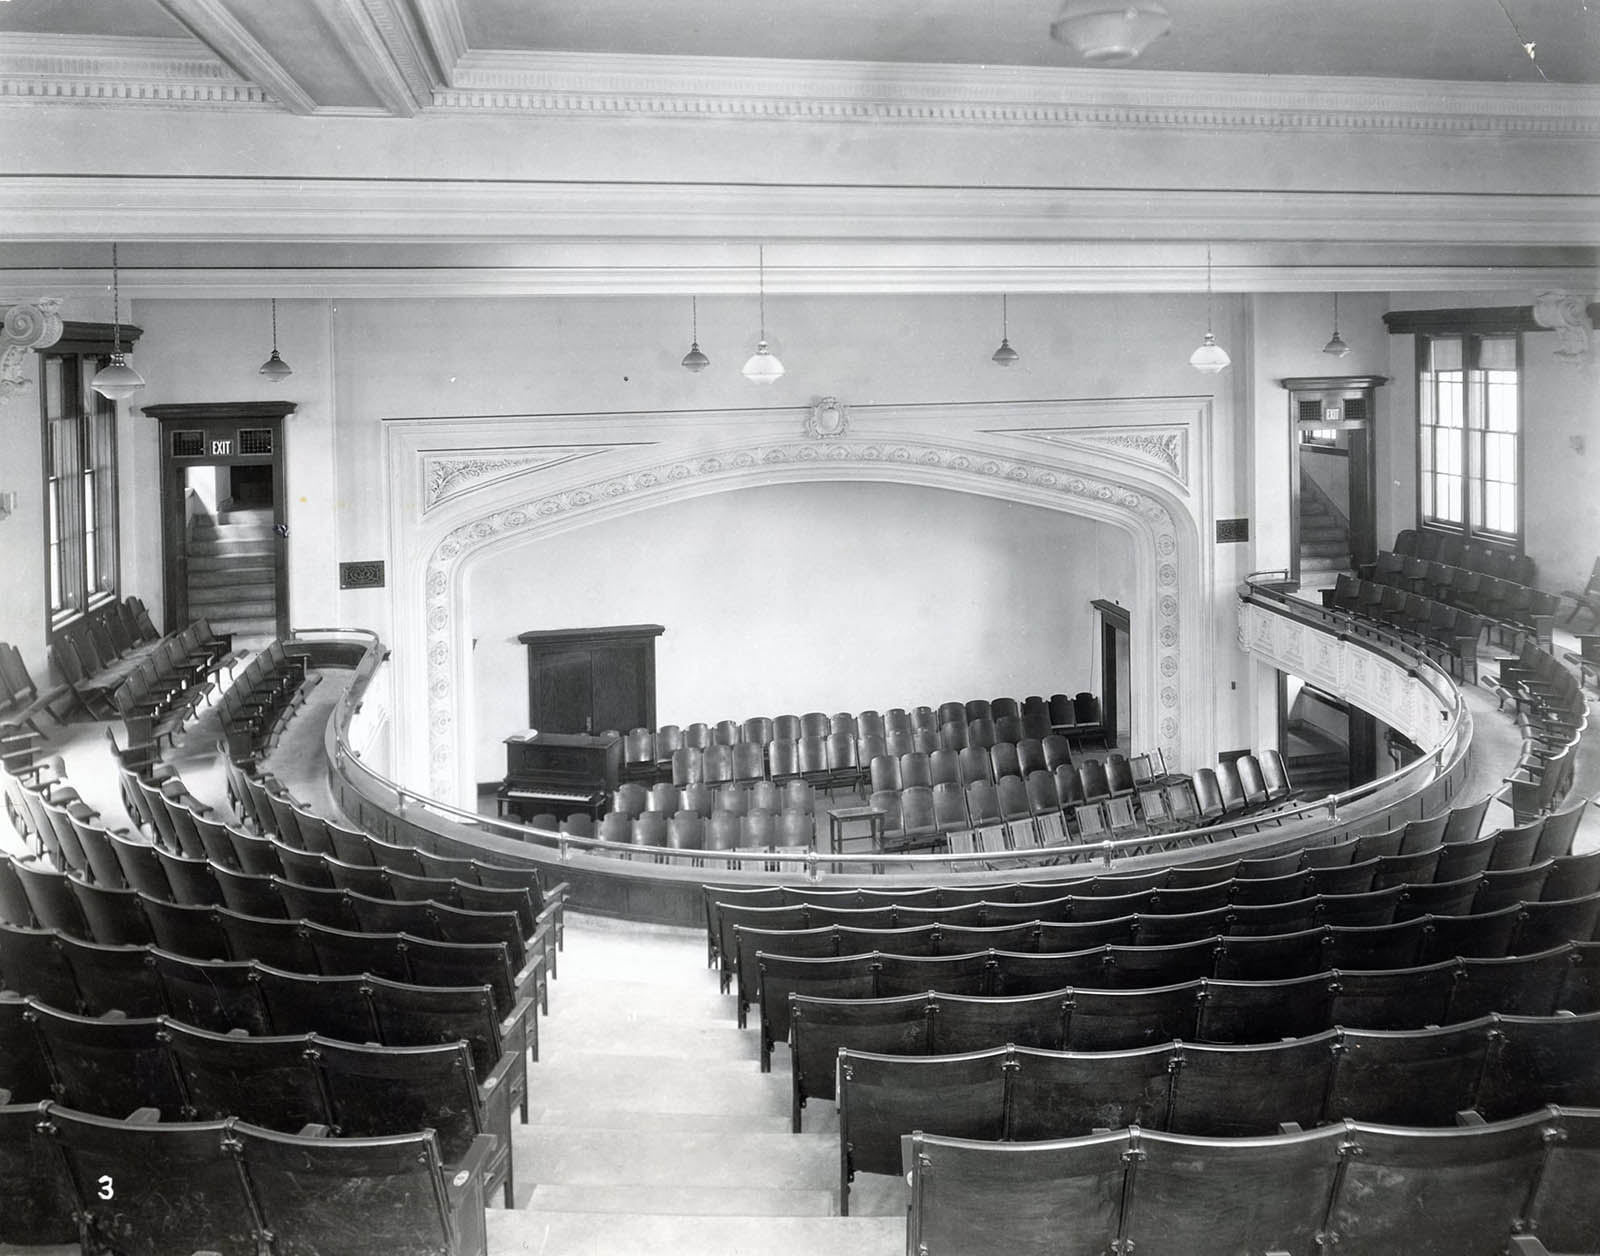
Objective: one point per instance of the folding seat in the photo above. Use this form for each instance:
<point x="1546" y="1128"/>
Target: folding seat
<point x="268" y="1080"/>
<point x="304" y="868"/>
<point x="407" y="886"/>
<point x="1093" y="783"/>
<point x="1030" y="757"/>
<point x="725" y="732"/>
<point x="1088" y="720"/>
<point x="1153" y="808"/>
<point x="1441" y="898"/>
<point x="661" y="797"/>
<point x="1515" y="847"/>
<point x="191" y="880"/>
<point x="723" y="831"/>
<point x="843" y="768"/>
<point x="650" y="829"/>
<point x="114" y="915"/>
<point x="718" y="761"/>
<point x="815" y="724"/>
<point x="974" y="763"/>
<point x="1016" y="811"/>
<point x="36" y="1199"/>
<point x="1004" y="760"/>
<point x="757" y="829"/>
<point x="698" y="798"/>
<point x="688" y="767"/>
<point x="1119" y="776"/>
<point x="796" y="829"/>
<point x="917" y="826"/>
<point x="687" y="831"/>
<point x="1335" y="855"/>
<point x="186" y="929"/>
<point x="697" y="735"/>
<point x="1415" y="869"/>
<point x="1009" y="728"/>
<point x="250" y="895"/>
<point x="376" y="1091"/>
<point x="1553" y="923"/>
<point x="617" y="827"/>
<point x="953" y="735"/>
<point x="50" y="898"/>
<point x="843" y="722"/>
<point x="884" y="773"/>
<point x="977" y="709"/>
<point x="786" y="727"/>
<point x="982" y="732"/>
<point x="869" y="746"/>
<point x="734" y="799"/>
<point x="639" y="755"/>
<point x="322" y="836"/>
<point x="915" y="769"/>
<point x="341" y="951"/>
<point x="758" y="728"/>
<point x="108" y="1066"/>
<point x="1069" y="788"/>
<point x="72" y="857"/>
<point x="1422" y="1078"/>
<point x="450" y="866"/>
<point x="765" y="795"/>
<point x="926" y="740"/>
<point x="1350" y="878"/>
<point x="898" y="741"/>
<point x="322" y="905"/>
<point x="336" y="1007"/>
<point x="1423" y="835"/>
<point x="799" y="796"/>
<point x="783" y="759"/>
<point x="1049" y="822"/>
<point x="1379" y="845"/>
<point x="1573" y="876"/>
<point x="812" y="760"/>
<point x="144" y="1215"/>
<point x="950" y="808"/>
<point x="1230" y="787"/>
<point x="1183" y="805"/>
<point x="1035" y="726"/>
<point x="34" y="962"/>
<point x="1558" y="831"/>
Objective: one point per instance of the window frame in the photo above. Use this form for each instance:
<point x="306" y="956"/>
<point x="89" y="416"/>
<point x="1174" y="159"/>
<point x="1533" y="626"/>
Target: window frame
<point x="1473" y="473"/>
<point x="81" y="485"/>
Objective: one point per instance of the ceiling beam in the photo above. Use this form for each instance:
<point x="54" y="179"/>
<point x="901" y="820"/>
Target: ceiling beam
<point x="387" y="50"/>
<point x="210" y="22"/>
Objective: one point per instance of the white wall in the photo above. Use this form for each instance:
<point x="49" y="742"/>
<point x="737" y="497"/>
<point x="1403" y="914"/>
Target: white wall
<point x="796" y="597"/>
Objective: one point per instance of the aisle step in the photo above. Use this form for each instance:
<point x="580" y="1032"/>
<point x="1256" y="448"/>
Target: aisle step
<point x="582" y="1156"/>
<point x="613" y="1234"/>
<point x="683" y="1201"/>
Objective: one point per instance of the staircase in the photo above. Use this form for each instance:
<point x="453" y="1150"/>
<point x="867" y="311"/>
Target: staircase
<point x="1324" y="532"/>
<point x="652" y="1128"/>
<point x="232" y="572"/>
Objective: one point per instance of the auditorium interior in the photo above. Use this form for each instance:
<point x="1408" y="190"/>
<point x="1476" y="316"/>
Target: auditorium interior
<point x="799" y="629"/>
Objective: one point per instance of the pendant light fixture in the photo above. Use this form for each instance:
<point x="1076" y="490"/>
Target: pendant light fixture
<point x="763" y="366"/>
<point x="1005" y="355"/>
<point x="1210" y="357"/>
<point x="275" y="368"/>
<point x="1336" y="347"/>
<point x="694" y="360"/>
<point x="1110" y="32"/>
<point x="116" y="380"/>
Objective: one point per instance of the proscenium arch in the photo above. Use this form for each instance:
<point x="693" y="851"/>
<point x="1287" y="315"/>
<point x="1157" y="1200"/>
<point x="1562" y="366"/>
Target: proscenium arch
<point x="1172" y="570"/>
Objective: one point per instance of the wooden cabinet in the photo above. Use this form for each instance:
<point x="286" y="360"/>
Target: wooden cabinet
<point x="583" y="680"/>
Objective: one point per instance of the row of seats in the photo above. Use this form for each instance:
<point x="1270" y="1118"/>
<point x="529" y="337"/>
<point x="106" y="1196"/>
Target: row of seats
<point x="1444" y="632"/>
<point x="112" y="1185"/>
<point x="1513" y="608"/>
<point x="633" y="799"/>
<point x="1496" y="1067"/>
<point x="649" y="753"/>
<point x="1343" y="866"/>
<point x="1553" y="715"/>
<point x="441" y="946"/>
<point x="1523" y="1185"/>
<point x="1203" y="1010"/>
<point x="1539" y="933"/>
<point x="1431" y="545"/>
<point x="113" y="1066"/>
<point x="261" y="698"/>
<point x="21" y="700"/>
<point x="757" y="828"/>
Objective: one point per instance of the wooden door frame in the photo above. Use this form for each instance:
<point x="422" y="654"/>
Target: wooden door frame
<point x="219" y="425"/>
<point x="1363" y="482"/>
<point x="1114" y="619"/>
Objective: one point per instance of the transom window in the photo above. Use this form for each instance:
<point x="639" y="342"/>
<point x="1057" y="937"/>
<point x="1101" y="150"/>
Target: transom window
<point x="1469" y="409"/>
<point x="80" y="472"/>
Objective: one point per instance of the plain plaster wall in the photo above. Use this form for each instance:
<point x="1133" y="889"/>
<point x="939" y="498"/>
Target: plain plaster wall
<point x="818" y="596"/>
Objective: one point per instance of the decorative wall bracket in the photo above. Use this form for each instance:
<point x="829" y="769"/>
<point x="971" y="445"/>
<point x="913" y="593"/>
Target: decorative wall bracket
<point x="1568" y="316"/>
<point x="36" y="326"/>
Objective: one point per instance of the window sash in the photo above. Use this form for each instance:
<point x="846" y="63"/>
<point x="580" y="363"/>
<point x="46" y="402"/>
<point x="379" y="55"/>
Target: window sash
<point x="80" y="469"/>
<point x="1469" y="435"/>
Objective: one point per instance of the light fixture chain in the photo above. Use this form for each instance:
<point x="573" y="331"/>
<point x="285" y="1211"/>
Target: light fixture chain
<point x="761" y="286"/>
<point x="116" y="315"/>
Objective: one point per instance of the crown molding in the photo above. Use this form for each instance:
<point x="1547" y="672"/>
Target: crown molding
<point x="121" y="70"/>
<point x="1013" y="96"/>
<point x="400" y="42"/>
<point x="629" y="277"/>
<point x="60" y="207"/>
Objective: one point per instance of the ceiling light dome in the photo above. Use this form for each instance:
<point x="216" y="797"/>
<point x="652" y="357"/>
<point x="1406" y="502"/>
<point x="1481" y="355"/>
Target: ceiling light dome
<point x="1110" y="32"/>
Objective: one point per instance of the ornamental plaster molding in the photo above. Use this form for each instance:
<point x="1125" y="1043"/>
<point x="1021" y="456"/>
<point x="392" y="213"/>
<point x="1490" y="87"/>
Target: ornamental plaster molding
<point x="1567" y="315"/>
<point x="595" y="84"/>
<point x="1140" y="510"/>
<point x="1164" y="448"/>
<point x="121" y="70"/>
<point x="448" y="474"/>
<point x="25" y="327"/>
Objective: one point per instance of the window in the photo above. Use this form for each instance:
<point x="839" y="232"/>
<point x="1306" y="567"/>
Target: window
<point x="80" y="470"/>
<point x="1469" y="410"/>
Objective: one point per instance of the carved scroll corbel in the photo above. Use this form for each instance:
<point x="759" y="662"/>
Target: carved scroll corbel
<point x="1568" y="316"/>
<point x="36" y="326"/>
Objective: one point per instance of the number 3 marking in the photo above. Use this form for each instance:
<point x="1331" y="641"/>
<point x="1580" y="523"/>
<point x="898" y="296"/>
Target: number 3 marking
<point x="106" y="1189"/>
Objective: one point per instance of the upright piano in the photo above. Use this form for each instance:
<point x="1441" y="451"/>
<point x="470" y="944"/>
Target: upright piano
<point x="559" y="773"/>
